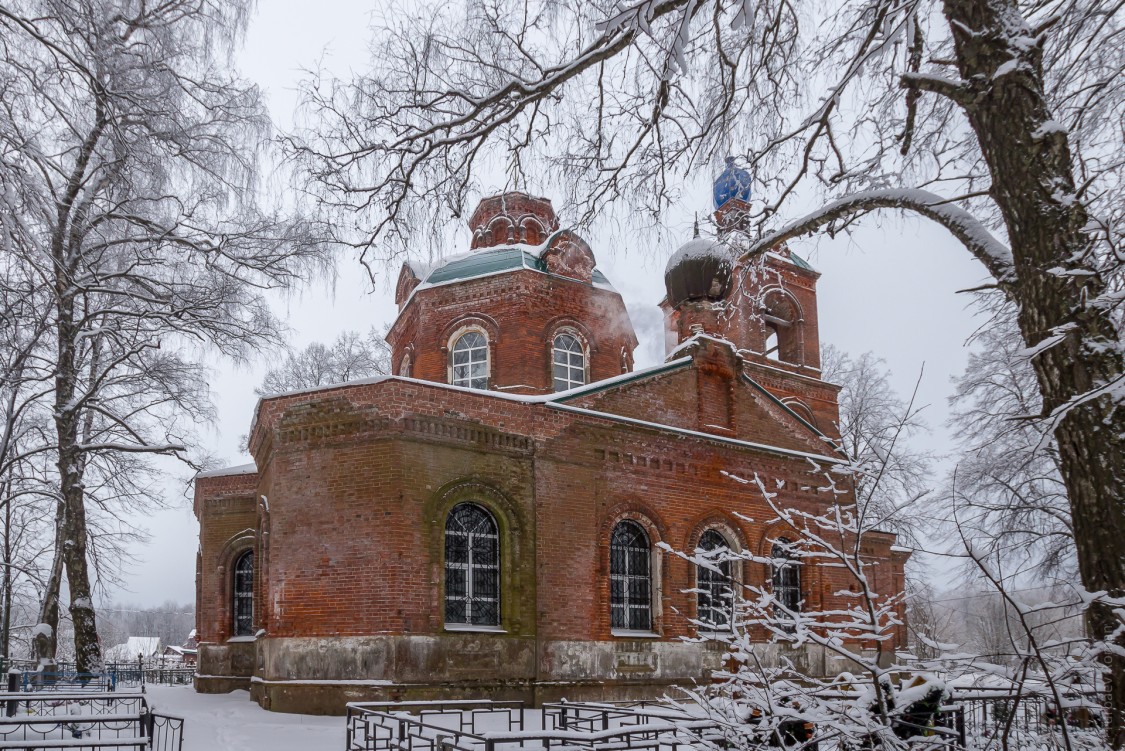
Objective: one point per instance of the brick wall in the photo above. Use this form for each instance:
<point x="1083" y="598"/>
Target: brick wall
<point x="520" y="311"/>
<point x="354" y="484"/>
<point x="226" y="508"/>
<point x="359" y="479"/>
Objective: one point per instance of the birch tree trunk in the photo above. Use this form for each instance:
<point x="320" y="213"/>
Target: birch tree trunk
<point x="1056" y="289"/>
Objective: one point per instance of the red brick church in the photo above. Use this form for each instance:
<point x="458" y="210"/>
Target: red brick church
<point x="493" y="519"/>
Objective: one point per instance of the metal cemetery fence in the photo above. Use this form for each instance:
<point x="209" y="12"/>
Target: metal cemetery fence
<point x="116" y="673"/>
<point x="502" y="726"/>
<point x="970" y="719"/>
<point x="134" y="675"/>
<point x="81" y="719"/>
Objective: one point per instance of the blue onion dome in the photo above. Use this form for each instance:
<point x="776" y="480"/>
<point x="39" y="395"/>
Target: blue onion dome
<point x="733" y="182"/>
<point x="700" y="270"/>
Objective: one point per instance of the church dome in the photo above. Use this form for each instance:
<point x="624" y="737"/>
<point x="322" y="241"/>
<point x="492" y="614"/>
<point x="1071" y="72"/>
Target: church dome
<point x="732" y="183"/>
<point x="700" y="269"/>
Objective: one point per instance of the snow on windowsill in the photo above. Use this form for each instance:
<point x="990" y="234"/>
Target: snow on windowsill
<point x="470" y="628"/>
<point x="241" y="639"/>
<point x="632" y="634"/>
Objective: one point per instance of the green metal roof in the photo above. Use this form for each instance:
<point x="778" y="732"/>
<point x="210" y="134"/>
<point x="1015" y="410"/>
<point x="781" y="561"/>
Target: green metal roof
<point x="494" y="261"/>
<point x="800" y="262"/>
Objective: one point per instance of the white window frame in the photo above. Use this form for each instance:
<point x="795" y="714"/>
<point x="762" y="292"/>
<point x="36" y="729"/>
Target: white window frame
<point x="583" y="351"/>
<point x="454" y="341"/>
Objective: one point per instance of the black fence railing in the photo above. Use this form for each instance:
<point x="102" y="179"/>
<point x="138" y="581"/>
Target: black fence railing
<point x="126" y="673"/>
<point x="502" y="726"/>
<point x="988" y="716"/>
<point x="78" y="719"/>
<point x="132" y="675"/>
<point x="967" y="720"/>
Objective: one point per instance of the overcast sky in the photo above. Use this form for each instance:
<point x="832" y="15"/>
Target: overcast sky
<point x="889" y="287"/>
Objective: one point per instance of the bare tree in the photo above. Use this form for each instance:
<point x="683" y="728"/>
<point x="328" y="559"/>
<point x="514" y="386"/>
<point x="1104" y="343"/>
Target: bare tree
<point x="876" y="428"/>
<point x="982" y="115"/>
<point x="136" y="150"/>
<point x="351" y="357"/>
<point x="1008" y="481"/>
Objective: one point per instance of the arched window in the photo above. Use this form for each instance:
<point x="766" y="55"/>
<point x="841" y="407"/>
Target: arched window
<point x="630" y="578"/>
<point x="714" y="596"/>
<point x="782" y="318"/>
<point x="772" y="344"/>
<point x="472" y="567"/>
<point x="786" y="578"/>
<point x="405" y="368"/>
<point x="569" y="362"/>
<point x="243" y="595"/>
<point x="470" y="361"/>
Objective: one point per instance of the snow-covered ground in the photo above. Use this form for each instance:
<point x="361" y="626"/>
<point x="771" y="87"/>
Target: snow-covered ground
<point x="217" y="722"/>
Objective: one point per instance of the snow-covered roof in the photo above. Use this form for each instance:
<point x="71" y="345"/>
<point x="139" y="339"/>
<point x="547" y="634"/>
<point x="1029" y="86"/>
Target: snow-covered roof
<point x="558" y="399"/>
<point x="490" y="261"/>
<point x="149" y="646"/>
<point x="526" y="398"/>
<point x="241" y="469"/>
<point x="792" y="258"/>
<point x="698" y="247"/>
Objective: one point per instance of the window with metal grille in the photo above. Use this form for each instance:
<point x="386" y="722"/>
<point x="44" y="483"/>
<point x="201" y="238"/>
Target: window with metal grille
<point x="568" y="362"/>
<point x="472" y="567"/>
<point x="713" y="585"/>
<point x="243" y="594"/>
<point x="470" y="361"/>
<point x="630" y="578"/>
<point x="786" y="579"/>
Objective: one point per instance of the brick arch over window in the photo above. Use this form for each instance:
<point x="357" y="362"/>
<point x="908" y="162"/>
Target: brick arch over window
<point x="516" y="575"/>
<point x="456" y="329"/>
<point x="802" y="410"/>
<point x="783" y="323"/>
<point x="532" y="231"/>
<point x="500" y="231"/>
<point x="469" y="320"/>
<point x="405" y="366"/>
<point x="566" y="323"/>
<point x="236" y="547"/>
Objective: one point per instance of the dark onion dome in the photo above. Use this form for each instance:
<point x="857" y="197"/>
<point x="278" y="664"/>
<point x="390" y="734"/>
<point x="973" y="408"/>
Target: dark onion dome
<point x="733" y="182"/>
<point x="700" y="270"/>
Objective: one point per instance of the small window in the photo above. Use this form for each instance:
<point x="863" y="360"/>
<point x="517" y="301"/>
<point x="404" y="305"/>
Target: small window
<point x="786" y="579"/>
<point x="243" y="592"/>
<point x="772" y="343"/>
<point x="630" y="578"/>
<point x="782" y="319"/>
<point x="470" y="361"/>
<point x="472" y="567"/>
<point x="405" y="368"/>
<point x="569" y="362"/>
<point x="715" y="595"/>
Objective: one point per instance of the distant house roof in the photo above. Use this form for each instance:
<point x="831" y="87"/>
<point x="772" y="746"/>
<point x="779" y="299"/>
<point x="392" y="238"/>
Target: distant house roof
<point x="149" y="646"/>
